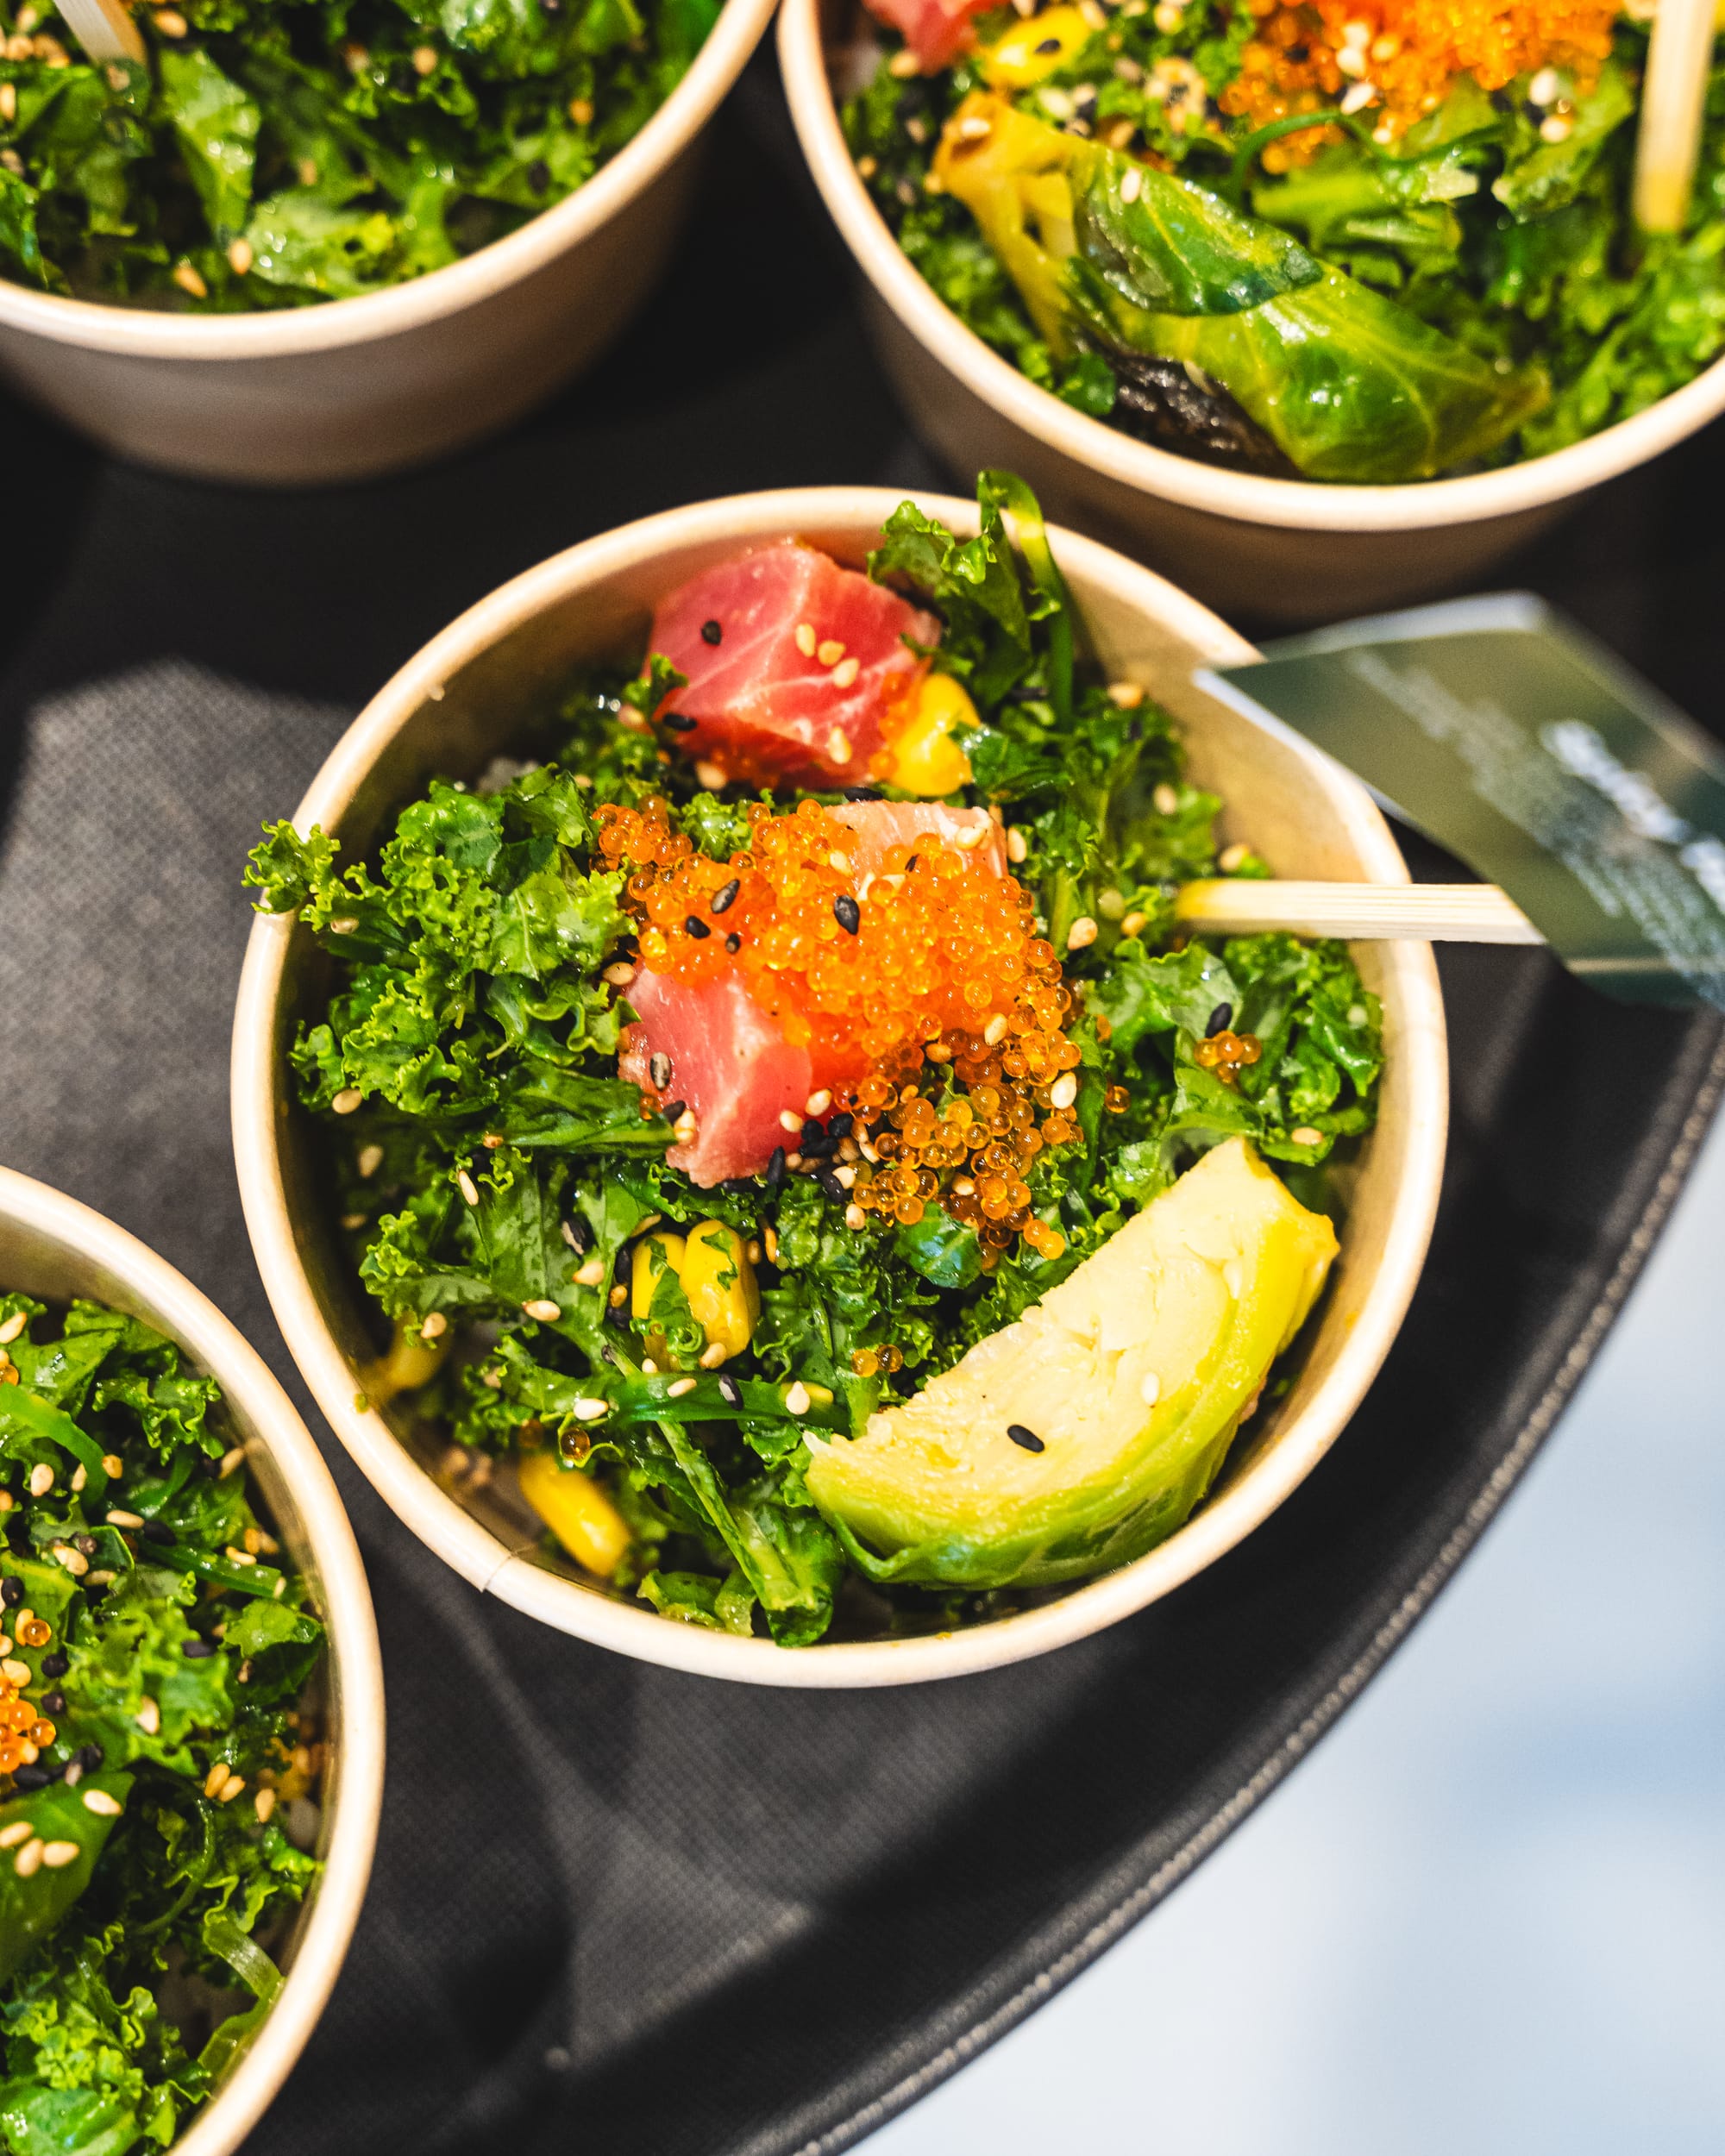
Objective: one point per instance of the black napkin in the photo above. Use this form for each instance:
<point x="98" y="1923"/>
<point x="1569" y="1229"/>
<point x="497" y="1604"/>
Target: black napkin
<point x="615" y="1909"/>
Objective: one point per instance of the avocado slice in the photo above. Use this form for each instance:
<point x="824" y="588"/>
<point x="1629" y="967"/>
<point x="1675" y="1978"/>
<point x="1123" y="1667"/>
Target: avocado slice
<point x="1133" y="1374"/>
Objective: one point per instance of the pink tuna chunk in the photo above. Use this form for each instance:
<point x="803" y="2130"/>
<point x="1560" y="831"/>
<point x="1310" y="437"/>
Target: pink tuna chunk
<point x="764" y="709"/>
<point x="935" y="31"/>
<point x="728" y="1062"/>
<point x="880" y="825"/>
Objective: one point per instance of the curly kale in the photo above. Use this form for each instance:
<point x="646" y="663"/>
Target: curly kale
<point x="156" y="1661"/>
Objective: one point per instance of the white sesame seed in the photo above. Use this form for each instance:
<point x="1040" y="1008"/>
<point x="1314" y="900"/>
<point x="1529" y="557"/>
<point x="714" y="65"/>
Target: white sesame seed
<point x="148" y="1717"/>
<point x="20" y="1830"/>
<point x="1150" y="1388"/>
<point x="797" y="1398"/>
<point x="232" y="1462"/>
<point x="790" y="1120"/>
<point x="684" y="1129"/>
<point x="1134" y="924"/>
<point x="185" y="275"/>
<point x="1082" y="931"/>
<point x="424" y="59"/>
<point x="853" y="1216"/>
<point x="543" y="1308"/>
<point x="13" y="1326"/>
<point x="619" y="1296"/>
<point x="806" y="639"/>
<point x="102" y="1803"/>
<point x="239" y="1557"/>
<point x="995" y="1030"/>
<point x="1134" y="181"/>
<point x="1232" y="857"/>
<point x="1306" y="1136"/>
<point x="1357" y="33"/>
<point x="28" y="1860"/>
<point x="649" y="1367"/>
<point x="344" y="923"/>
<point x="846" y="1177"/>
<point x="41" y="1479"/>
<point x="713" y="776"/>
<point x="1166" y="800"/>
<point x="216" y="1775"/>
<point x="1064" y="1091"/>
<point x="714" y="1356"/>
<point x="1358" y="1014"/>
<point x="1358" y="98"/>
<point x="230" y="1788"/>
<point x="78" y="1479"/>
<point x="590" y="1274"/>
<point x="1128" y="695"/>
<point x="970" y="837"/>
<point x="347" y="1100"/>
<point x="964" y="1188"/>
<point x="1544" y="88"/>
<point x="1555" y="128"/>
<point x="903" y="65"/>
<point x="770" y="1236"/>
<point x="976" y="129"/>
<point x="838" y="741"/>
<point x="15" y="1672"/>
<point x="1351" y="60"/>
<point x="124" y="1519"/>
<point x="830" y="651"/>
<point x="1016" y="847"/>
<point x="436" y="1325"/>
<point x="845" y="673"/>
<point x="620" y="974"/>
<point x="263" y="1804"/>
<point x="591" y="1410"/>
<point x="370" y="1160"/>
<point x="818" y="1103"/>
<point x="677" y="1390"/>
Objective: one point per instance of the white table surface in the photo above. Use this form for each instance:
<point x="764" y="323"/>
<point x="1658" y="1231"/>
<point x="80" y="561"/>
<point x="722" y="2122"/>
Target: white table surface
<point x="1487" y="1918"/>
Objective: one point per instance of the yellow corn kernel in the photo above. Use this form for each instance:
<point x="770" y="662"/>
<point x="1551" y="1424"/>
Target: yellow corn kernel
<point x="1021" y="58"/>
<point x="654" y="1254"/>
<point x="925" y="760"/>
<point x="720" y="1282"/>
<point x="412" y="1361"/>
<point x="577" y="1510"/>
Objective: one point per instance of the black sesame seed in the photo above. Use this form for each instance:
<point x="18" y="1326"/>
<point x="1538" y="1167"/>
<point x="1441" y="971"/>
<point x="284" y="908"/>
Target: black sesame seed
<point x="153" y="1531"/>
<point x="659" y="1070"/>
<point x="712" y="632"/>
<point x="196" y="1650"/>
<point x="738" y="1186"/>
<point x="775" y="1169"/>
<point x="618" y="1315"/>
<point x="698" y="927"/>
<point x="733" y="942"/>
<point x="1219" y="1019"/>
<point x="725" y="898"/>
<point x="861" y="793"/>
<point x="56" y="1665"/>
<point x="11" y="1590"/>
<point x="911" y="862"/>
<point x="32" y="1778"/>
<point x="622" y="1264"/>
<point x="812" y="1137"/>
<point x="828" y="1180"/>
<point x="54" y="1702"/>
<point x="209" y="1468"/>
<point x="673" y="1109"/>
<point x="680" y="722"/>
<point x="842" y="1124"/>
<point x="90" y="1757"/>
<point x="1027" y="1439"/>
<point x="903" y="1382"/>
<point x="539" y="175"/>
<point x="731" y="1392"/>
<point x="1049" y="45"/>
<point x="580" y="1235"/>
<point x="847" y="912"/>
<point x="85" y="1545"/>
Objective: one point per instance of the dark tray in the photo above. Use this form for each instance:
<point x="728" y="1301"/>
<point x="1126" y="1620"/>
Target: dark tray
<point x="621" y="1911"/>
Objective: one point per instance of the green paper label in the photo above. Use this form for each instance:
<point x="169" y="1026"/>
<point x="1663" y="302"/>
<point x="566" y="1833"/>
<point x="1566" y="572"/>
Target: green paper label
<point x="1498" y="729"/>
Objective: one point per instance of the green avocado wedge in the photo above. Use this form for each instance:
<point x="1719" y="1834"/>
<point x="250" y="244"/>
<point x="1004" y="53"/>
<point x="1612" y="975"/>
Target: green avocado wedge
<point x="1135" y="1374"/>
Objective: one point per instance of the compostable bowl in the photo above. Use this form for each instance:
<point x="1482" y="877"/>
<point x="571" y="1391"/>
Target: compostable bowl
<point x="468" y="696"/>
<point x="54" y="1248"/>
<point x="1282" y="549"/>
<point x="353" y="387"/>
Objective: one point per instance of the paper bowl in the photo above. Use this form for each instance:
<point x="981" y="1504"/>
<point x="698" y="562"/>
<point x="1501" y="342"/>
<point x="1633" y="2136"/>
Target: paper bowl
<point x="54" y="1248"/>
<point x="358" y="386"/>
<point x="1279" y="549"/>
<point x="464" y="698"/>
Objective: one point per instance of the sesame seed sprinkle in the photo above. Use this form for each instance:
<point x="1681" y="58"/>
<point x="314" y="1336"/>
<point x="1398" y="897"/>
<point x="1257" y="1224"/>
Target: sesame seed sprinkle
<point x="1027" y="1440"/>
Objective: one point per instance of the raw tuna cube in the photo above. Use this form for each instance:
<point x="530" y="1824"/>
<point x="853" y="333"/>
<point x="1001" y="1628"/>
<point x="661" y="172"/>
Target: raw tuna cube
<point x="729" y="1062"/>
<point x="765" y="707"/>
<point x="880" y="825"/>
<point x="935" y="31"/>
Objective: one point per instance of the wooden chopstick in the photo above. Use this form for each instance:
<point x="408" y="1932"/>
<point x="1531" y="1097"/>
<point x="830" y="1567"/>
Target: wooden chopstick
<point x="1673" y="97"/>
<point x="104" y="28"/>
<point x="1360" y="912"/>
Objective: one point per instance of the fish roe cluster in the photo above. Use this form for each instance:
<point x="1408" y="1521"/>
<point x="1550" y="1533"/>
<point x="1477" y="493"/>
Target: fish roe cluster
<point x="1396" y="60"/>
<point x="24" y="1732"/>
<point x="933" y="960"/>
